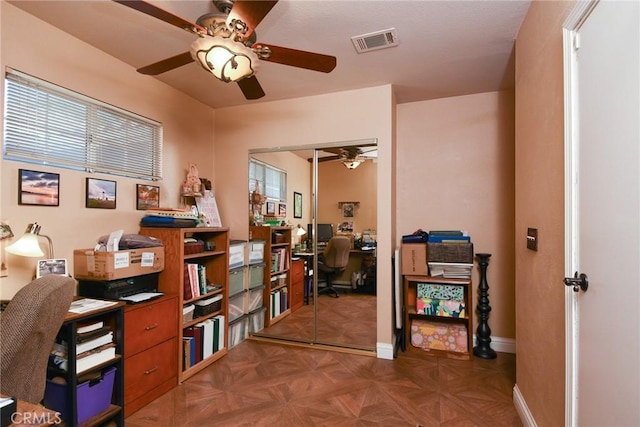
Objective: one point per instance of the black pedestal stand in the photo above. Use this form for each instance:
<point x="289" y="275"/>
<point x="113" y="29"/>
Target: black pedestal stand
<point x="483" y="333"/>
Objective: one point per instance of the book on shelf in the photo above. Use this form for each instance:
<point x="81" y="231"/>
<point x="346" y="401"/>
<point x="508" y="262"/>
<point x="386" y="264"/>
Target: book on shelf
<point x="221" y="338"/>
<point x="207" y="338"/>
<point x="195" y="332"/>
<point x="447" y="233"/>
<point x="84" y="361"/>
<point x="450" y="270"/>
<point x="84" y="346"/>
<point x="187" y="293"/>
<point x="89" y="327"/>
<point x="448" y="239"/>
<point x="87" y="336"/>
<point x="188" y="349"/>
<point x="216" y="334"/>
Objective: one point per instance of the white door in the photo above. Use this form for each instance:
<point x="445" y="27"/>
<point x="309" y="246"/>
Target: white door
<point x="603" y="202"/>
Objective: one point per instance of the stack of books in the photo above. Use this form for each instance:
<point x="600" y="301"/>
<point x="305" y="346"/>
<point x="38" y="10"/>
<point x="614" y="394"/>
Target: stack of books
<point x="202" y="340"/>
<point x="450" y="254"/>
<point x="94" y="346"/>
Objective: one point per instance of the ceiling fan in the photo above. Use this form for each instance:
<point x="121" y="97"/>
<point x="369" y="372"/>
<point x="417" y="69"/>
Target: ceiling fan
<point x="351" y="157"/>
<point x="227" y="44"/>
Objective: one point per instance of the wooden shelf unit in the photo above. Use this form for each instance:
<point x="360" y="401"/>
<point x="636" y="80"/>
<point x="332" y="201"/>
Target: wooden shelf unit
<point x="112" y="316"/>
<point x="410" y="293"/>
<point x="268" y="234"/>
<point x="171" y="280"/>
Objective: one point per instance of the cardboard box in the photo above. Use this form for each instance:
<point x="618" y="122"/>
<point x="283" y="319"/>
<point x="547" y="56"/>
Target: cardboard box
<point x="414" y="259"/>
<point x="88" y="264"/>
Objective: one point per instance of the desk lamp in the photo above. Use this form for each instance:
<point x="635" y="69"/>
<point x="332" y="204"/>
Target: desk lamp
<point x="299" y="233"/>
<point x="28" y="244"/>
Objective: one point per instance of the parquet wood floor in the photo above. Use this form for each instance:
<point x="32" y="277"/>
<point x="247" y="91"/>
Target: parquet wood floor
<point x="273" y="384"/>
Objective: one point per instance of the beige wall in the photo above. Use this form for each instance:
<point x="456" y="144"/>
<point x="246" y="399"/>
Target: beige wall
<point x="339" y="184"/>
<point x="336" y="117"/>
<point x="540" y="204"/>
<point x="48" y="53"/>
<point x="456" y="172"/>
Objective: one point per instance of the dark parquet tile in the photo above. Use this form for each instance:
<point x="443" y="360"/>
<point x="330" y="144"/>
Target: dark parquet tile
<point x="273" y="384"/>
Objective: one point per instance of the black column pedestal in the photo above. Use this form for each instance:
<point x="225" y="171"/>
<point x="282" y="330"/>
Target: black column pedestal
<point x="483" y="334"/>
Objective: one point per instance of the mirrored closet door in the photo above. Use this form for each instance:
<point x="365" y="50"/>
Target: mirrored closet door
<point x="329" y="201"/>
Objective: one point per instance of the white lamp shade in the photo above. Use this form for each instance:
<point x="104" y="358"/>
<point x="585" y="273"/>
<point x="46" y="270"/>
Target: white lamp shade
<point x="228" y="60"/>
<point x="27" y="245"/>
<point x="301" y="231"/>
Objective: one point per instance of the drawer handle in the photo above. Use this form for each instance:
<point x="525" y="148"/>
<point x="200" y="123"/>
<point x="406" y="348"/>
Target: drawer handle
<point x="150" y="327"/>
<point x="150" y="371"/>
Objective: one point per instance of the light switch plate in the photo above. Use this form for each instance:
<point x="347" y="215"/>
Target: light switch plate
<point x="532" y="239"/>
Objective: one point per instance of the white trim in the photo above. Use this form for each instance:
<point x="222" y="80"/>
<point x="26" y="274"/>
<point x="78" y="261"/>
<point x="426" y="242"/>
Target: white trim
<point x="571" y="25"/>
<point x="384" y="351"/>
<point x="500" y="344"/>
<point x="522" y="409"/>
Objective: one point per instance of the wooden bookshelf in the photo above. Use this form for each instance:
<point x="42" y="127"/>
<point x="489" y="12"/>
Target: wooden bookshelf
<point x="215" y="258"/>
<point x="277" y="258"/>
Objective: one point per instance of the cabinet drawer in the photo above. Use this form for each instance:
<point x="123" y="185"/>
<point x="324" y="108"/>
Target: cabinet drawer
<point x="297" y="271"/>
<point x="147" y="370"/>
<point x="297" y="295"/>
<point x="149" y="324"/>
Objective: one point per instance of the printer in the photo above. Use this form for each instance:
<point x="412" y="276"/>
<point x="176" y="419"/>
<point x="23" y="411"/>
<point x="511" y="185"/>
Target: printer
<point x="118" y="288"/>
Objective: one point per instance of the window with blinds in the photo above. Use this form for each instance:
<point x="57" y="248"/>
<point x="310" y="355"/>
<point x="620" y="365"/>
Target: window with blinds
<point x="50" y="125"/>
<point x="272" y="181"/>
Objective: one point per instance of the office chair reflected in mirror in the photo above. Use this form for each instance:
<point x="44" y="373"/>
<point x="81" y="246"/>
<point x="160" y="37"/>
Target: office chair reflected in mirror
<point x="333" y="261"/>
<point x="28" y="326"/>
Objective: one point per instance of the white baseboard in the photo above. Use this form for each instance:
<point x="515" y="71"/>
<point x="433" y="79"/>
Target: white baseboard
<point x="522" y="409"/>
<point x="503" y="345"/>
<point x="384" y="351"/>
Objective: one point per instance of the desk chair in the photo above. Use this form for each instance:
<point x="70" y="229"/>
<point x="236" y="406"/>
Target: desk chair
<point x="28" y="327"/>
<point x="333" y="261"/>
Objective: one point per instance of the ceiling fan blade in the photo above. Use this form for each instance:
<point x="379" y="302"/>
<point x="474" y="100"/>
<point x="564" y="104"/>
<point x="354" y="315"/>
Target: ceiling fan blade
<point x="166" y="64"/>
<point x="299" y="58"/>
<point x="326" y="158"/>
<point x="163" y="15"/>
<point x="251" y="12"/>
<point x="251" y="88"/>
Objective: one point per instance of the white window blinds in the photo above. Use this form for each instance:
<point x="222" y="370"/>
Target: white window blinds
<point x="272" y="181"/>
<point x="47" y="124"/>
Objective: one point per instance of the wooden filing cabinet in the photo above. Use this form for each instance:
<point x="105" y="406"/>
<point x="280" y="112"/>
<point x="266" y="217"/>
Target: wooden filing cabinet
<point x="297" y="284"/>
<point x="150" y="351"/>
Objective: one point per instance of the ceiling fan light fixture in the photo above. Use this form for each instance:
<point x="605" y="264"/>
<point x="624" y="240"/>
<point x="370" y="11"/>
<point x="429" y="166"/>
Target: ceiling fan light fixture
<point x="351" y="164"/>
<point x="226" y="59"/>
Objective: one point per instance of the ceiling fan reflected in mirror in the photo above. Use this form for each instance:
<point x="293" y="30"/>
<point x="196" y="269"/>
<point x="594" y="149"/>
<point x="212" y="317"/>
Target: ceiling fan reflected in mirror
<point x="351" y="157"/>
<point x="227" y="44"/>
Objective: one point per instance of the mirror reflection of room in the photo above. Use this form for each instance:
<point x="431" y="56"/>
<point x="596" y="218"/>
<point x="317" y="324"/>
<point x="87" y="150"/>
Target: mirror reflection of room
<point x="346" y="207"/>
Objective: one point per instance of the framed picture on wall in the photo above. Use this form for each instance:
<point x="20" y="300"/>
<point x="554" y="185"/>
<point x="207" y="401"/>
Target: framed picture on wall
<point x="38" y="188"/>
<point x="297" y="205"/>
<point x="147" y="197"/>
<point x="271" y="208"/>
<point x="100" y="194"/>
<point x="282" y="209"/>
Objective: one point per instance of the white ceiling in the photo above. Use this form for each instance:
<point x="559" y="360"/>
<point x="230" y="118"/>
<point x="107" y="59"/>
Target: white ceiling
<point x="447" y="48"/>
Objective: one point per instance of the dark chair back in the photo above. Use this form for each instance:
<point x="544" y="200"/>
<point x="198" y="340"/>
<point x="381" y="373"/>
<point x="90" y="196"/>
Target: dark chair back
<point x="28" y="327"/>
<point x="336" y="255"/>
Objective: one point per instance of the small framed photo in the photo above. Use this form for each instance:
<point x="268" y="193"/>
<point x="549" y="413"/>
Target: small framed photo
<point x="347" y="210"/>
<point x="297" y="205"/>
<point x="101" y="194"/>
<point x="147" y="197"/>
<point x="282" y="209"/>
<point x="52" y="266"/>
<point x="271" y="208"/>
<point x="38" y="188"/>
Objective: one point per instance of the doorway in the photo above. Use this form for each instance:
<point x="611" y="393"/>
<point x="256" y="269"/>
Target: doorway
<point x="348" y="321"/>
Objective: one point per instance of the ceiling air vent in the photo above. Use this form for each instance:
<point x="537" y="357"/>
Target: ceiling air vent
<point x="374" y="41"/>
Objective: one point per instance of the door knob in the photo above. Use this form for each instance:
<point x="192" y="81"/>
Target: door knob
<point x="578" y="282"/>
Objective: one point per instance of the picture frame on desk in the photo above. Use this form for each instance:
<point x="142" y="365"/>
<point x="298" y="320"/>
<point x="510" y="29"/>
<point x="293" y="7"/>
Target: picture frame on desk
<point x="52" y="266"/>
<point x="282" y="209"/>
<point x="38" y="188"/>
<point x="100" y="194"/>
